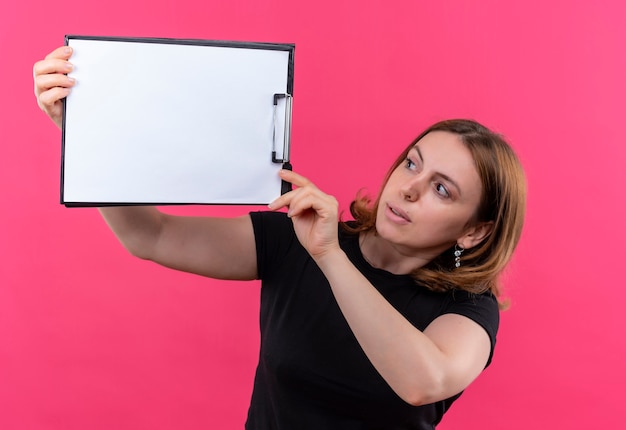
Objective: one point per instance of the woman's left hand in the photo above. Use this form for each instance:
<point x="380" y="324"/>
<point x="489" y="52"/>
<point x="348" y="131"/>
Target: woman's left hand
<point x="313" y="212"/>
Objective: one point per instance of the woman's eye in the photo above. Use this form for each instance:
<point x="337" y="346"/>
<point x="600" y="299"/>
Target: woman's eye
<point x="409" y="164"/>
<point x="441" y="190"/>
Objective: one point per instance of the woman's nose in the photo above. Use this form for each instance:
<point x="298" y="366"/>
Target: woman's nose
<point x="411" y="190"/>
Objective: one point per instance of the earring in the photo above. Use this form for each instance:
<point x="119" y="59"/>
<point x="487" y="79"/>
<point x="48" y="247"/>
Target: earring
<point x="458" y="250"/>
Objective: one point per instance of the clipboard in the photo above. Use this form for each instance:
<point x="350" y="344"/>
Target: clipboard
<point x="176" y="121"/>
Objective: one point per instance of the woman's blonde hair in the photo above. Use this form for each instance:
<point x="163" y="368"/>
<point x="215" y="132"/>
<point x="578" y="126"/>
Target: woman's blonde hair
<point x="503" y="202"/>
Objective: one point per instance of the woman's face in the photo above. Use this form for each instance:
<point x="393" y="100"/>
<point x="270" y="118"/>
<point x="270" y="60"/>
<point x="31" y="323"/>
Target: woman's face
<point x="430" y="200"/>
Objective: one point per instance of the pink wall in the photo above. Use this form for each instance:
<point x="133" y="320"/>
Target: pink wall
<point x="92" y="338"/>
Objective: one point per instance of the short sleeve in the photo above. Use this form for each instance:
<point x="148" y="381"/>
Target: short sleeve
<point x="480" y="308"/>
<point x="274" y="237"/>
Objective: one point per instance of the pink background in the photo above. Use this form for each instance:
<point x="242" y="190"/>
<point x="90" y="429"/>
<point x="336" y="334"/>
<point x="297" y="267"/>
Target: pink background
<point x="93" y="338"/>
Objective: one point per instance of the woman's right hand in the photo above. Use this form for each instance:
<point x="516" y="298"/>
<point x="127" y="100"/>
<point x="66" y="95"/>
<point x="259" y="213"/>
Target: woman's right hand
<point x="52" y="83"/>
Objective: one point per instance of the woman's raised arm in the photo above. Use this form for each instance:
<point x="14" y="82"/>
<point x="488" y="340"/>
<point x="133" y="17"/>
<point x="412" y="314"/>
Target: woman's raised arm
<point x="222" y="248"/>
<point x="215" y="247"/>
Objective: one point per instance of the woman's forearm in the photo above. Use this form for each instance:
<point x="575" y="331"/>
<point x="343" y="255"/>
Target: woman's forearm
<point x="421" y="367"/>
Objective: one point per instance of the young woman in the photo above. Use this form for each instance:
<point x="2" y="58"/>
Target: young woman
<point x="375" y="323"/>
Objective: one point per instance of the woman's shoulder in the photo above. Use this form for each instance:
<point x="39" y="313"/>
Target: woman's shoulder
<point x="481" y="308"/>
<point x="477" y="306"/>
<point x="269" y="221"/>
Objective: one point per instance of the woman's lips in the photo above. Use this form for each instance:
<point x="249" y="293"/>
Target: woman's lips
<point x="398" y="214"/>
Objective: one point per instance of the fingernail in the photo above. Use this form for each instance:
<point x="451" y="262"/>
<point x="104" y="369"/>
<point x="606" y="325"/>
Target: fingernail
<point x="71" y="80"/>
<point x="69" y="66"/>
<point x="67" y="50"/>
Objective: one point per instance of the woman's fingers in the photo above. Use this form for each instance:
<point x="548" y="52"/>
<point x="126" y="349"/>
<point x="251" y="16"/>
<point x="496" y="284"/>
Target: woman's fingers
<point x="51" y="73"/>
<point x="44" y="83"/>
<point x="52" y="83"/>
<point x="312" y="198"/>
<point x="63" y="52"/>
<point x="306" y="196"/>
<point x="301" y="200"/>
<point x="54" y="62"/>
<point x="286" y="199"/>
<point x="314" y="213"/>
<point x="49" y="98"/>
<point x="52" y="65"/>
<point x="294" y="178"/>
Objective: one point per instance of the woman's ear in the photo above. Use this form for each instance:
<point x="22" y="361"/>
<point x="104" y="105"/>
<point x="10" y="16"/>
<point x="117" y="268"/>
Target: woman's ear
<point x="475" y="234"/>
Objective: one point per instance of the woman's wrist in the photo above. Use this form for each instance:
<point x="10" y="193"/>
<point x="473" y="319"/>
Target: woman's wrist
<point x="331" y="259"/>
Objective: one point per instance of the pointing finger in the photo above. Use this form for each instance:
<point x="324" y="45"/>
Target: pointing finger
<point x="294" y="178"/>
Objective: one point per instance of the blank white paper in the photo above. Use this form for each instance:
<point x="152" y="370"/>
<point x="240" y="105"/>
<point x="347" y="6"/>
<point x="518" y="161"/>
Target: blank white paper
<point x="165" y="123"/>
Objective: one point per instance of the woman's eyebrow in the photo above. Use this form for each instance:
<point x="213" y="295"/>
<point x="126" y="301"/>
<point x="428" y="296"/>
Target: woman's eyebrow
<point x="451" y="181"/>
<point x="419" y="153"/>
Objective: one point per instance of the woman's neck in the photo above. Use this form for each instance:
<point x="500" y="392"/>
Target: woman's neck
<point x="384" y="255"/>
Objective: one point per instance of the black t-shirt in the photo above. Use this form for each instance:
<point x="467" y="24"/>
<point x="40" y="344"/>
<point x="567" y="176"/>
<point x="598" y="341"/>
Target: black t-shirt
<point x="312" y="373"/>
